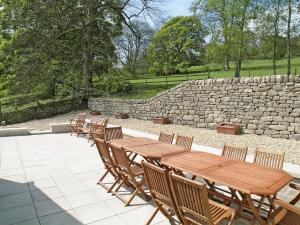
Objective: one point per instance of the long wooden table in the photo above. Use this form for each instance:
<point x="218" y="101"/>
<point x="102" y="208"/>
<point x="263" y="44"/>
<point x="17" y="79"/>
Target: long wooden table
<point x="151" y="150"/>
<point x="245" y="178"/>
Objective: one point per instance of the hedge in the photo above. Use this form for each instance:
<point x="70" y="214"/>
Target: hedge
<point x="42" y="110"/>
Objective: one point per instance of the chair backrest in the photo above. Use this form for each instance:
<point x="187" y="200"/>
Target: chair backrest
<point x="103" y="150"/>
<point x="158" y="183"/>
<point x="111" y="133"/>
<point x="121" y="158"/>
<point x="167" y="138"/>
<point x="184" y="141"/>
<point x="191" y="199"/>
<point x="234" y="152"/>
<point x="268" y="159"/>
<point x="81" y="120"/>
<point x="104" y="123"/>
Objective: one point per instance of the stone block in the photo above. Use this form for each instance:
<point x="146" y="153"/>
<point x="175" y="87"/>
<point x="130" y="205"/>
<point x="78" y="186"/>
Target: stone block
<point x="60" y="128"/>
<point x="13" y="131"/>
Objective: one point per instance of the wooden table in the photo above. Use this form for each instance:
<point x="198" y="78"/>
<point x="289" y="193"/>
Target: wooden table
<point x="245" y="178"/>
<point x="151" y="150"/>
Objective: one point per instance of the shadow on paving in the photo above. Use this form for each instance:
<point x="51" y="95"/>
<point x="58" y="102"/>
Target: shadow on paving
<point x="19" y="206"/>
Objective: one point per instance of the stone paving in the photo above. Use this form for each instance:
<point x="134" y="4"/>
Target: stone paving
<point x="51" y="180"/>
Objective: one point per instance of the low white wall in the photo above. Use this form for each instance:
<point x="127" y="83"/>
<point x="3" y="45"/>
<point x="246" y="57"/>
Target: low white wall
<point x="13" y="131"/>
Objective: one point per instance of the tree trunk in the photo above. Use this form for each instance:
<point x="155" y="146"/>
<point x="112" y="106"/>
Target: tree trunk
<point x="289" y="37"/>
<point x="88" y="51"/>
<point x="275" y="37"/>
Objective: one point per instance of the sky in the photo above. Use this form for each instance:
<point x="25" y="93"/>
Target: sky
<point x="176" y="7"/>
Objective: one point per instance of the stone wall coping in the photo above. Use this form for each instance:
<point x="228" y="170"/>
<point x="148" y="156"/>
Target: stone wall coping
<point x="13" y="131"/>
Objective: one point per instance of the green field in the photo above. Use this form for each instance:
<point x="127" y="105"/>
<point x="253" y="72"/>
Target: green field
<point x="147" y="86"/>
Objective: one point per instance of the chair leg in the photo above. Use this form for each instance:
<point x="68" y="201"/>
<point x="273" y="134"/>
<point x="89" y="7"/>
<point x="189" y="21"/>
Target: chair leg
<point x="232" y="218"/>
<point x="152" y="216"/>
<point x="132" y="196"/>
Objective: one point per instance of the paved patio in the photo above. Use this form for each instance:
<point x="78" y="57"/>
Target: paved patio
<point x="51" y="179"/>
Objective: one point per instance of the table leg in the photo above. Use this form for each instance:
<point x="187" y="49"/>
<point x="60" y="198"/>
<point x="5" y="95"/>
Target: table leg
<point x="254" y="210"/>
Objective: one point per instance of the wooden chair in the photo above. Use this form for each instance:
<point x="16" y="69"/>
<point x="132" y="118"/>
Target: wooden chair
<point x="111" y="133"/>
<point x="129" y="172"/>
<point x="109" y="164"/>
<point x="268" y="159"/>
<point x="75" y="124"/>
<point x="194" y="206"/>
<point x="87" y="130"/>
<point x="98" y="131"/>
<point x="234" y="152"/>
<point x="184" y="141"/>
<point x="159" y="185"/>
<point x="167" y="138"/>
<point x="287" y="213"/>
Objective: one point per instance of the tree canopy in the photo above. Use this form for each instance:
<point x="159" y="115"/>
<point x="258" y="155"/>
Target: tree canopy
<point x="178" y="44"/>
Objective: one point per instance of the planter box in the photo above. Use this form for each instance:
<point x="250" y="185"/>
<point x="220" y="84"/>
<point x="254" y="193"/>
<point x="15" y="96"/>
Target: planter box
<point x="95" y="113"/>
<point x="161" y="120"/>
<point x="121" y="116"/>
<point x="227" y="128"/>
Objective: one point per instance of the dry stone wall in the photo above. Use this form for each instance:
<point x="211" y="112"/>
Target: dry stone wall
<point x="267" y="105"/>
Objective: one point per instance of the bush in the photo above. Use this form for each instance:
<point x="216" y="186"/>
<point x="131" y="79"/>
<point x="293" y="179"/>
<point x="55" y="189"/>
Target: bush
<point x="114" y="81"/>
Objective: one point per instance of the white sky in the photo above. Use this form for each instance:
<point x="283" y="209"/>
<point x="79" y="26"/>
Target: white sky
<point x="176" y="7"/>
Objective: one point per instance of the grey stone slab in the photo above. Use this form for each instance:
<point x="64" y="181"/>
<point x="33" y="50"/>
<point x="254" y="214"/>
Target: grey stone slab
<point x="29" y="222"/>
<point x="66" y="179"/>
<point x="15" y="200"/>
<point x="9" y="187"/>
<point x="51" y="206"/>
<point x="61" y="218"/>
<point x="110" y="221"/>
<point x="93" y="213"/>
<point x="71" y="189"/>
<point x="36" y="172"/>
<point x="45" y="194"/>
<point x="17" y="214"/>
<point x="41" y="184"/>
<point x="82" y="199"/>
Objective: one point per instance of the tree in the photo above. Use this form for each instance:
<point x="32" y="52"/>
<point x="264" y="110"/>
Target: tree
<point x="218" y="18"/>
<point x="289" y="37"/>
<point x="179" y="43"/>
<point x="132" y="45"/>
<point x="64" y="40"/>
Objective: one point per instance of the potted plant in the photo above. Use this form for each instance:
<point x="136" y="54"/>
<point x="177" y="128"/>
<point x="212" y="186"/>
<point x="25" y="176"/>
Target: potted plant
<point x="161" y="120"/>
<point x="95" y="112"/>
<point x="121" y="115"/>
<point x="229" y="128"/>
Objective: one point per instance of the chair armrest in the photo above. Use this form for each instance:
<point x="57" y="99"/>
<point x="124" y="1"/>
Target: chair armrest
<point x="287" y="206"/>
<point x="295" y="186"/>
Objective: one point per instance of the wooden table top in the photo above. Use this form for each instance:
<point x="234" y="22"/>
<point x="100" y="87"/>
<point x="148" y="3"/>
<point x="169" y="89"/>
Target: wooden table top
<point x="246" y="177"/>
<point x="148" y="148"/>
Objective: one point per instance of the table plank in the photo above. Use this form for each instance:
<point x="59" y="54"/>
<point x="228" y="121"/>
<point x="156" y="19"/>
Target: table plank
<point x="132" y="141"/>
<point x="148" y="148"/>
<point x="246" y="177"/>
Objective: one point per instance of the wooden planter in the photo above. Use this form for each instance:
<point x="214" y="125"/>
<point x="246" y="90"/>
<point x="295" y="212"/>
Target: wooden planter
<point x="121" y="116"/>
<point x="95" y="113"/>
<point x="228" y="128"/>
<point x="161" y="120"/>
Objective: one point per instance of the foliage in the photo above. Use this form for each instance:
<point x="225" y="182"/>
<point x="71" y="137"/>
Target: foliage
<point x="114" y="80"/>
<point x="179" y="44"/>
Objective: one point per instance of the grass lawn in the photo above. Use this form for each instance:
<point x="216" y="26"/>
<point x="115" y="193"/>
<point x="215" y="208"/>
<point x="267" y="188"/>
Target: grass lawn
<point x="148" y="86"/>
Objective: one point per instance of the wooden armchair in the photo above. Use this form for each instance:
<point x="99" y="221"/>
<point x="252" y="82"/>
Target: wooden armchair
<point x="287" y="213"/>
<point x="111" y="133"/>
<point x="98" y="131"/>
<point x="234" y="152"/>
<point x="86" y="130"/>
<point x="198" y="209"/>
<point x="167" y="138"/>
<point x="268" y="159"/>
<point x="75" y="124"/>
<point x="159" y="185"/>
<point x="129" y="172"/>
<point x="184" y="141"/>
<point x="109" y="164"/>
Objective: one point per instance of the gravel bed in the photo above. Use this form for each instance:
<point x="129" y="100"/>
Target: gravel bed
<point x="201" y="136"/>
